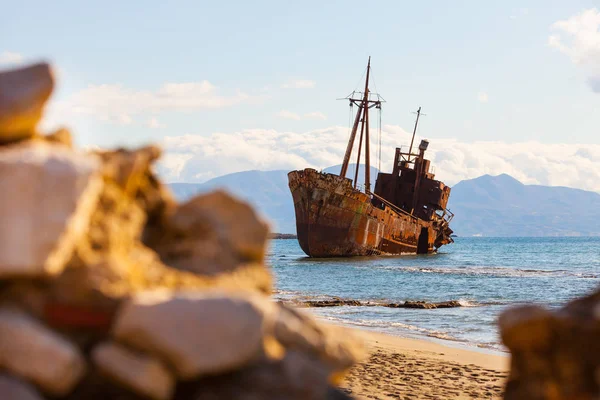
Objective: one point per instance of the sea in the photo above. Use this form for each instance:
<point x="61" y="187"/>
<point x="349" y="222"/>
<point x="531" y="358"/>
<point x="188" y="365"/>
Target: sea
<point x="485" y="275"/>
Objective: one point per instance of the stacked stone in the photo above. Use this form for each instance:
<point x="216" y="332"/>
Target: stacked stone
<point x="555" y="355"/>
<point x="110" y="289"/>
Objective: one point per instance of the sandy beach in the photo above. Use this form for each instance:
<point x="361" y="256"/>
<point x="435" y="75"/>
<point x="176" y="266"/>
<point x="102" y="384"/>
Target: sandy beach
<point x="401" y="368"/>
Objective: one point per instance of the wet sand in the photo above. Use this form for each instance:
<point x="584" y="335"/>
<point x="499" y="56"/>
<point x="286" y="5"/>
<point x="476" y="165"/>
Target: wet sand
<point x="400" y="368"/>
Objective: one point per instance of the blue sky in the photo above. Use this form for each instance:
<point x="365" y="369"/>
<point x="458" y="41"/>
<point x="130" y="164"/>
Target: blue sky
<point x="260" y="76"/>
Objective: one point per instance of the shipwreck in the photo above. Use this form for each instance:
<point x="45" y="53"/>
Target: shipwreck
<point x="405" y="213"/>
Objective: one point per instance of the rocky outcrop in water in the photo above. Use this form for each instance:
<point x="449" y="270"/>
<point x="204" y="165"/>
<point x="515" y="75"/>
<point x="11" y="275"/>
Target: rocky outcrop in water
<point x="555" y="355"/>
<point x="110" y="289"/>
<point x="337" y="302"/>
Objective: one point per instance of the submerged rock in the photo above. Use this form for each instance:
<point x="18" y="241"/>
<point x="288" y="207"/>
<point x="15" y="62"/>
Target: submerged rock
<point x="357" y="303"/>
<point x="23" y="93"/>
<point x="426" y="305"/>
<point x="48" y="196"/>
<point x="332" y="303"/>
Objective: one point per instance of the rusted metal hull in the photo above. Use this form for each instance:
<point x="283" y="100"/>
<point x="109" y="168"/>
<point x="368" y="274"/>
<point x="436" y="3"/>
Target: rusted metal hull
<point x="335" y="220"/>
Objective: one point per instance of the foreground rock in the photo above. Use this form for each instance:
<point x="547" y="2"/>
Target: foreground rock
<point x="23" y="93"/>
<point x="554" y="355"/>
<point x="141" y="373"/>
<point x="213" y="234"/>
<point x="12" y="388"/>
<point x="335" y="346"/>
<point x="197" y="333"/>
<point x="295" y="377"/>
<point x="109" y="289"/>
<point x="48" y="196"/>
<point x="35" y="353"/>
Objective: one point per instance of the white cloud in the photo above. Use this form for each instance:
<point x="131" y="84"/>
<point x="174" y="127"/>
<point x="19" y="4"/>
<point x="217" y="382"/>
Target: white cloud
<point x="10" y="58"/>
<point x="582" y="44"/>
<point x="195" y="158"/>
<point x="288" y="115"/>
<point x="153" y="123"/>
<point x="299" y="84"/>
<point x="315" y="115"/>
<point x="113" y="102"/>
<point x="482" y="97"/>
<point x="125" y="119"/>
<point x="292" y="115"/>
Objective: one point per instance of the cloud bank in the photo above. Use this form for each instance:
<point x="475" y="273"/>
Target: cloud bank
<point x="118" y="104"/>
<point x="196" y="158"/>
<point x="10" y="58"/>
<point x="292" y="115"/>
<point x="582" y="43"/>
<point x="288" y="115"/>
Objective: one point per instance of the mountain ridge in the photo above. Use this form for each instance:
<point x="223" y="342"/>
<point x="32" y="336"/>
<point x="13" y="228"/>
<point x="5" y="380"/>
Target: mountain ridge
<point x="484" y="206"/>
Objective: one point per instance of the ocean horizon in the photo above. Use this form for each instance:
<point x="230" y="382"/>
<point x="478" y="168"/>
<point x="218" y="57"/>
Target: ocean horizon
<point x="481" y="275"/>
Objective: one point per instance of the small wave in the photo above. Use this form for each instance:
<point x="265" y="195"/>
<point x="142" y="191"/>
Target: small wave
<point x="468" y="303"/>
<point x="400" y="329"/>
<point x="493" y="271"/>
<point x="383" y="326"/>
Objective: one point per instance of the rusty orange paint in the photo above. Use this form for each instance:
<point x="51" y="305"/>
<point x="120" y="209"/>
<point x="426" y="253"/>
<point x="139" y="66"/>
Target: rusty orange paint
<point x="333" y="219"/>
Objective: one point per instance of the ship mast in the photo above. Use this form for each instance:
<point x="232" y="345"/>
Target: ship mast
<point x="362" y="116"/>
<point x="414" y="132"/>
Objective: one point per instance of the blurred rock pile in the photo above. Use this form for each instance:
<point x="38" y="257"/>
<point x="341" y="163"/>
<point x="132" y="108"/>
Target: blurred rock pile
<point x="555" y="355"/>
<point x="109" y="289"/>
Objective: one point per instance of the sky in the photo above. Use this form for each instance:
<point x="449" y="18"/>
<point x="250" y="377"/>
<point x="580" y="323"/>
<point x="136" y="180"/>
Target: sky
<point x="507" y="87"/>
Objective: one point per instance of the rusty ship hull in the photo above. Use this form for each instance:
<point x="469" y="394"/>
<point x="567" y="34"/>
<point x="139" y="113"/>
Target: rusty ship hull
<point x="405" y="213"/>
<point x="335" y="220"/>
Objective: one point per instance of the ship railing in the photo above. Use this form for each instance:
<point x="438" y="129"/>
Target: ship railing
<point x="447" y="215"/>
<point x="390" y="205"/>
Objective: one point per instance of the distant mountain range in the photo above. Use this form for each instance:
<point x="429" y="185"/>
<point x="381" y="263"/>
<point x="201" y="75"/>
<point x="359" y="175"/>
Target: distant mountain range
<point x="485" y="206"/>
<point x="503" y="206"/>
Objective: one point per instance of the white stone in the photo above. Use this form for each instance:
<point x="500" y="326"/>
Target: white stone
<point x="12" y="388"/>
<point x="197" y="333"/>
<point x="48" y="195"/>
<point x="23" y="93"/>
<point x="35" y="353"/>
<point x="138" y="372"/>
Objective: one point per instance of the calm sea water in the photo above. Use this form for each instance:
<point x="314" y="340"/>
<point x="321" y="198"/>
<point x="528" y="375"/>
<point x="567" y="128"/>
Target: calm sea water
<point x="485" y="274"/>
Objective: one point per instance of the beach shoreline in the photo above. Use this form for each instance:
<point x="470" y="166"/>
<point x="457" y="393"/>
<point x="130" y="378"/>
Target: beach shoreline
<point x="407" y="368"/>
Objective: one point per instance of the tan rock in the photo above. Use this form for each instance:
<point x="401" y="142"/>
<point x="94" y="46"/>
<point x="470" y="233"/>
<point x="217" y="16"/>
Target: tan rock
<point x="336" y="346"/>
<point x="131" y="171"/>
<point x="297" y="376"/>
<point x="33" y="352"/>
<point x="138" y="372"/>
<point x="48" y="196"/>
<point x="23" y="93"/>
<point x="211" y="234"/>
<point x="60" y="136"/>
<point x="12" y="388"/>
<point x="555" y="354"/>
<point x="198" y="333"/>
<point x="526" y="327"/>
